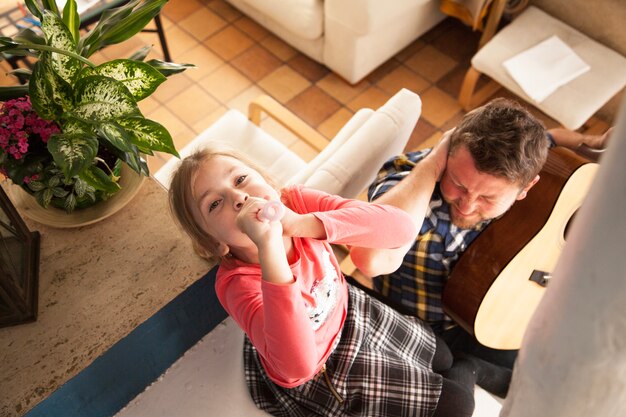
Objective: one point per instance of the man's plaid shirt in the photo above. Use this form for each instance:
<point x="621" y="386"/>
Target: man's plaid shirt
<point x="418" y="283"/>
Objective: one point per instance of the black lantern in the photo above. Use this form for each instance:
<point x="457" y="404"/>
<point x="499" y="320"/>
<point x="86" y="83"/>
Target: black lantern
<point x="19" y="267"/>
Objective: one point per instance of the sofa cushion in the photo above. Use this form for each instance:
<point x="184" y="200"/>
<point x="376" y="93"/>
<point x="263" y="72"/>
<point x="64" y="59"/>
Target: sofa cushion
<point x="305" y="18"/>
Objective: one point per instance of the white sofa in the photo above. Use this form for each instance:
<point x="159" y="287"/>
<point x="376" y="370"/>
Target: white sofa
<point x="350" y="37"/>
<point x="344" y="166"/>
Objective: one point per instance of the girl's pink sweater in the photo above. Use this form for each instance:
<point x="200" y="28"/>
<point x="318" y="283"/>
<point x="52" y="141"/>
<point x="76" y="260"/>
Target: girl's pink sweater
<point x="276" y="317"/>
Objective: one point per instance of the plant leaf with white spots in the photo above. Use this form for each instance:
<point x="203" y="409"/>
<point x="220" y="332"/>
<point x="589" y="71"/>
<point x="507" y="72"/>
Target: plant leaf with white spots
<point x="73" y="152"/>
<point x="140" y="78"/>
<point x="101" y="99"/>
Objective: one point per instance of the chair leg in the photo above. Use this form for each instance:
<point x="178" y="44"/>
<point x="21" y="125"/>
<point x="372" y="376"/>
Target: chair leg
<point x="470" y="99"/>
<point x="467" y="88"/>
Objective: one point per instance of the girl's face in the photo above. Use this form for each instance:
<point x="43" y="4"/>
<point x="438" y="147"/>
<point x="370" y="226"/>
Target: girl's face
<point x="219" y="189"/>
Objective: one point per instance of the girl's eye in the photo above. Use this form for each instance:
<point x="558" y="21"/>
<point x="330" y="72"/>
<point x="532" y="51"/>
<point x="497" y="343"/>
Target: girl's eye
<point x="214" y="205"/>
<point x="240" y="179"/>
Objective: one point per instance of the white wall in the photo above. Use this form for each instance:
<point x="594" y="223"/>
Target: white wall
<point x="572" y="362"/>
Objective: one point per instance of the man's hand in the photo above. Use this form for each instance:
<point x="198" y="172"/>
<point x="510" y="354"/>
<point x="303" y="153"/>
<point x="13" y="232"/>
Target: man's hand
<point x="439" y="155"/>
<point x="412" y="195"/>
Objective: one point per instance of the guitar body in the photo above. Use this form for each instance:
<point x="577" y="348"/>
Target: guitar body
<point x="490" y="292"/>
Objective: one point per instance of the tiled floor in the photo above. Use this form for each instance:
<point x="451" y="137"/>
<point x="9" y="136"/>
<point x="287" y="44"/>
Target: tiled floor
<point x="238" y="60"/>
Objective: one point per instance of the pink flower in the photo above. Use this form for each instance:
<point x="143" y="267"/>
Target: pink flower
<point x="22" y="133"/>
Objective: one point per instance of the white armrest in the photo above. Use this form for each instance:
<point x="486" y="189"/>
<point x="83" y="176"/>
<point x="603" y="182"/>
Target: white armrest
<point x="347" y="167"/>
<point x="234" y="130"/>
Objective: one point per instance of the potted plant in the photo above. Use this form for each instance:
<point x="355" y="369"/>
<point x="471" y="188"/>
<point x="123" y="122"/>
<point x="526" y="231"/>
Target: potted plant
<point x="66" y="133"/>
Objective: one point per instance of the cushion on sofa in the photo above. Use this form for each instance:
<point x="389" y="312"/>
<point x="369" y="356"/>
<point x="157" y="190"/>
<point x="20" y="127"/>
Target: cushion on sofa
<point x="305" y="18"/>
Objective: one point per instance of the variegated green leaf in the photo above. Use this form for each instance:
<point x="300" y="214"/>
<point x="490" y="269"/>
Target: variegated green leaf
<point x="70" y="203"/>
<point x="116" y="136"/>
<point x="80" y="187"/>
<point x="49" y="93"/>
<point x="102" y="99"/>
<point x="140" y="78"/>
<point x="73" y="125"/>
<point x="73" y="152"/>
<point x="99" y="179"/>
<point x="44" y="197"/>
<point x="59" y="36"/>
<point x="148" y="135"/>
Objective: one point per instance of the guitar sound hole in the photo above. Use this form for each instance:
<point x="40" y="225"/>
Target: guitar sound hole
<point x="567" y="226"/>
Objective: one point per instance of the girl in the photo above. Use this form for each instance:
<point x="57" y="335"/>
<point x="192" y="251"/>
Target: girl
<point x="314" y="344"/>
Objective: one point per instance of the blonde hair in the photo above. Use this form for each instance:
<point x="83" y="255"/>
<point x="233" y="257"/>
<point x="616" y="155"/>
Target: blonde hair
<point x="181" y="194"/>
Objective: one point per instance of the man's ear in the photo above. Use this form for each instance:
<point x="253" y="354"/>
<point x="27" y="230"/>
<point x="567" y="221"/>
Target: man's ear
<point x="524" y="192"/>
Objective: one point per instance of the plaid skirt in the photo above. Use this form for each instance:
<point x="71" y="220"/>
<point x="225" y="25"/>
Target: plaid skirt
<point x="380" y="367"/>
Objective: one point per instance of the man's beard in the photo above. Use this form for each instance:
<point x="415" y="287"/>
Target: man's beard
<point x="462" y="221"/>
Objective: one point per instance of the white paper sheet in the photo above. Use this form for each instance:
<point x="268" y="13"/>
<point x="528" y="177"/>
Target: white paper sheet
<point x="542" y="69"/>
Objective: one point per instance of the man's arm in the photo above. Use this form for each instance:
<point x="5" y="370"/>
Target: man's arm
<point x="575" y="140"/>
<point x="412" y="194"/>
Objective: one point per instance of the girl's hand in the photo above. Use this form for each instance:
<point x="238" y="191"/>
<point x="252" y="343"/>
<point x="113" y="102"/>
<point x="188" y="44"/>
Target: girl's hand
<point x="250" y="222"/>
<point x="302" y="225"/>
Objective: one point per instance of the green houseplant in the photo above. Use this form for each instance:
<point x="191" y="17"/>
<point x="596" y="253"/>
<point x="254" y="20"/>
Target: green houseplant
<point x="93" y="123"/>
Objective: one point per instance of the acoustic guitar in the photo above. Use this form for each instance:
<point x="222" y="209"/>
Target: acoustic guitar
<point x="499" y="280"/>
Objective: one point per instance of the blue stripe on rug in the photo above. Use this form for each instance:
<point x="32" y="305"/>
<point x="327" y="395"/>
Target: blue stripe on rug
<point x="121" y="373"/>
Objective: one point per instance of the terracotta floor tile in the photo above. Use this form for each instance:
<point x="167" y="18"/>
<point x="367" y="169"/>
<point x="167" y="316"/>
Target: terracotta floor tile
<point x="256" y="63"/>
<point x="410" y="50"/>
<point x="331" y="126"/>
<point x="148" y="104"/>
<point x="284" y="84"/>
<point x="431" y="141"/>
<point x="383" y="70"/>
<point x="279" y="132"/>
<point x="125" y="49"/>
<point x="459" y="42"/>
<point x="340" y="89"/>
<point x="430" y="63"/>
<point x="171" y="87"/>
<point x="373" y="97"/>
<point x="438" y="30"/>
<point x="205" y="61"/>
<point x="313" y="105"/>
<point x="251" y="28"/>
<point x="242" y="100"/>
<point x="279" y="48"/>
<point x="181" y="133"/>
<point x="309" y="69"/>
<point x="202" y="24"/>
<point x="225" y="10"/>
<point x="207" y="121"/>
<point x="452" y="81"/>
<point x="402" y="77"/>
<point x="192" y="104"/>
<point x="438" y="107"/>
<point x="177" y="10"/>
<point x="225" y="83"/>
<point x="229" y="42"/>
<point x="179" y="41"/>
<point x="423" y="130"/>
<point x="156" y="50"/>
<point x="453" y="121"/>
